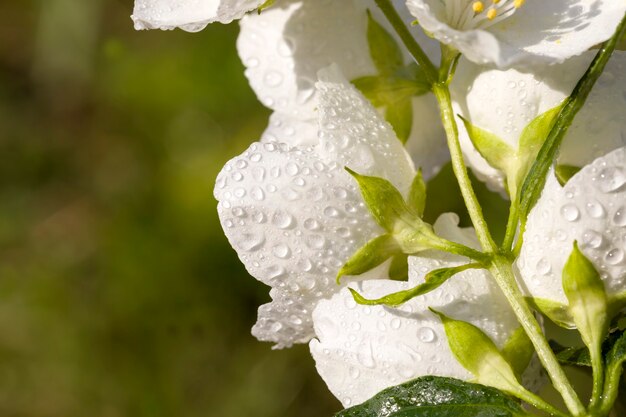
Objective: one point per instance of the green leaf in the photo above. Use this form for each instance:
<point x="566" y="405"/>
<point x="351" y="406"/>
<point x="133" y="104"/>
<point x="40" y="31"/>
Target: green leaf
<point x="417" y="194"/>
<point x="384" y="49"/>
<point x="432" y="396"/>
<point x="579" y="356"/>
<point x="400" y="117"/>
<point x="557" y="313"/>
<point x="536" y="178"/>
<point x="477" y="353"/>
<point x="573" y="356"/>
<point x="587" y="298"/>
<point x="433" y="279"/>
<point x="495" y="151"/>
<point x="399" y="268"/>
<point x="384" y="201"/>
<point x="374" y="253"/>
<point x="614" y="367"/>
<point x="565" y="172"/>
<point x="518" y="351"/>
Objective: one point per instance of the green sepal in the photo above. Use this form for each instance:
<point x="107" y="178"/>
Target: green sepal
<point x="374" y="253"/>
<point x="400" y="117"/>
<point x="383" y="200"/>
<point x="518" y="351"/>
<point x="588" y="301"/>
<point x="384" y="49"/>
<point x="530" y="142"/>
<point x="433" y="280"/>
<point x="495" y="151"/>
<point x="383" y="90"/>
<point x="432" y="396"/>
<point x="477" y="353"/>
<point x="565" y="172"/>
<point x="557" y="313"/>
<point x="399" y="268"/>
<point x="417" y="194"/>
<point x="267" y="4"/>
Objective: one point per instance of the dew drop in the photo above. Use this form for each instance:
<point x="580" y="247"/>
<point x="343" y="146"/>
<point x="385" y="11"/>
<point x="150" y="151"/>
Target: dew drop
<point x="611" y="179"/>
<point x="395" y="323"/>
<point x="257" y="193"/>
<point x="311" y="224"/>
<point x="614" y="256"/>
<point x="331" y="212"/>
<point x="595" y="209"/>
<point x="283" y="220"/>
<point x="281" y="251"/>
<point x="273" y="78"/>
<point x="592" y="239"/>
<point x="250" y="242"/>
<point x="426" y="335"/>
<point x="543" y="266"/>
<point x="620" y="217"/>
<point x="570" y="212"/>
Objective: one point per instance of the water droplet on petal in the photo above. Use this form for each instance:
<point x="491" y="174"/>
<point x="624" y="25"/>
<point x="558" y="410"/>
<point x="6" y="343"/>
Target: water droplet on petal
<point x="426" y="335"/>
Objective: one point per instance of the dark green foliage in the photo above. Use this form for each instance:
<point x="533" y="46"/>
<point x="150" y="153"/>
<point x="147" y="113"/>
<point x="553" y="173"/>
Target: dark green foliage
<point x="432" y="396"/>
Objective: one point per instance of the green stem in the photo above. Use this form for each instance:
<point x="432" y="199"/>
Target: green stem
<point x="445" y="245"/>
<point x="442" y="93"/>
<point x="597" y="366"/>
<point x="539" y="403"/>
<point x="503" y="273"/>
<point x="511" y="227"/>
<point x="611" y="390"/>
<point x="409" y="41"/>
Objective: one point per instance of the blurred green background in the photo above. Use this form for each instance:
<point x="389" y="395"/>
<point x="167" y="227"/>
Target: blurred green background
<point x="119" y="294"/>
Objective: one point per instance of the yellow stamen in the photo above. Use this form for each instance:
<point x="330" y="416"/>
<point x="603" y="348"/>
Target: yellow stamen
<point x="491" y="14"/>
<point x="495" y="1"/>
<point x="518" y="3"/>
<point x="478" y="6"/>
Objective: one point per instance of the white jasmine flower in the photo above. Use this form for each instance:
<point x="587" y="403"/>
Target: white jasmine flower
<point x="510" y="32"/>
<point x="189" y="15"/>
<point x="294" y="215"/>
<point x="361" y="350"/>
<point x="591" y="209"/>
<point x="504" y="102"/>
<point x="285" y="46"/>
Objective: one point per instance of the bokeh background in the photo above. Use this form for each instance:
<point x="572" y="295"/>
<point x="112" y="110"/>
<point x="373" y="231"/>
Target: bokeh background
<point x="119" y="294"/>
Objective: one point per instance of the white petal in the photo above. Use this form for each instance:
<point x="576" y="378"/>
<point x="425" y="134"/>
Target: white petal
<point x="504" y="102"/>
<point x="286" y="129"/>
<point x="538" y="32"/>
<point x="590" y="209"/>
<point x="361" y="350"/>
<point x="293" y="220"/>
<point x="284" y="47"/>
<point x="189" y="15"/>
<point x="353" y="134"/>
<point x="427" y="142"/>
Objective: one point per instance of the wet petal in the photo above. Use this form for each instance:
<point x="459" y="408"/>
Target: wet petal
<point x="591" y="209"/>
<point x="361" y="350"/>
<point x="539" y="32"/>
<point x="504" y="102"/>
<point x="189" y="15"/>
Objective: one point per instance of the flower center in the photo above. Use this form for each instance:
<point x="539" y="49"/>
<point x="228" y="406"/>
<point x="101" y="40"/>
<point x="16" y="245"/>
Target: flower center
<point x="478" y="14"/>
